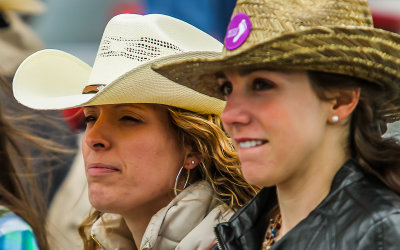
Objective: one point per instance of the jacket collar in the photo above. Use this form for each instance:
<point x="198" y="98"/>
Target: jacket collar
<point x="182" y="214"/>
<point x="347" y="174"/>
<point x="250" y="222"/>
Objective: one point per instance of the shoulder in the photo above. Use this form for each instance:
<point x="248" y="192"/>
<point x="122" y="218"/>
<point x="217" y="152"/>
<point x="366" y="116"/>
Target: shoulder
<point x="383" y="233"/>
<point x="15" y="233"/>
<point x="368" y="211"/>
<point x="363" y="201"/>
<point x="373" y="197"/>
<point x="379" y="209"/>
<point x="354" y="190"/>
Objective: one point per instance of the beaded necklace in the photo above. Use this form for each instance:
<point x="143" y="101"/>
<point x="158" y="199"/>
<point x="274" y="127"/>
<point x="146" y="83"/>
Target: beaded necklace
<point x="272" y="232"/>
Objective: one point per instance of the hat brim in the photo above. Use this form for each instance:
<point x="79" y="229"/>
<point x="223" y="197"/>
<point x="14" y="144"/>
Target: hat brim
<point x="53" y="79"/>
<point x="367" y="53"/>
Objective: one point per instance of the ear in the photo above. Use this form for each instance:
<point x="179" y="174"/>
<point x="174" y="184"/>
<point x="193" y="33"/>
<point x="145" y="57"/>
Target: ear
<point x="343" y="104"/>
<point x="192" y="160"/>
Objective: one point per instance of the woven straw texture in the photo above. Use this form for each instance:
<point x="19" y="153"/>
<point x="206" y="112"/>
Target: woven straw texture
<point x="335" y="36"/>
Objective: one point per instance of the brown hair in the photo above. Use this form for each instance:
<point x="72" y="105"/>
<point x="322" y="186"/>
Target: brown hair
<point x="16" y="177"/>
<point x="220" y="166"/>
<point x="376" y="154"/>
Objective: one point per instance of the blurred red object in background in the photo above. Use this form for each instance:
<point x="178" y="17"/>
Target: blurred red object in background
<point x="133" y="7"/>
<point x="386" y="14"/>
<point x="74" y="118"/>
<point x="386" y="21"/>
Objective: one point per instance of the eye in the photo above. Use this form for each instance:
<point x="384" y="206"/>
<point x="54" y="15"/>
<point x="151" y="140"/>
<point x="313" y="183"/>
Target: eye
<point x="89" y="119"/>
<point x="130" y="119"/>
<point x="225" y="88"/>
<point x="260" y="84"/>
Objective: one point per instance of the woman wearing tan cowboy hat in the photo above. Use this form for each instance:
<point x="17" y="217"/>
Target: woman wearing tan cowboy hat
<point x="161" y="172"/>
<point x="310" y="88"/>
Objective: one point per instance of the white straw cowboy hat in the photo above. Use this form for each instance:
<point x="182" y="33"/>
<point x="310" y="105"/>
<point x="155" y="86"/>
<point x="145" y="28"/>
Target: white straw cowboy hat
<point x="52" y="79"/>
<point x="334" y="36"/>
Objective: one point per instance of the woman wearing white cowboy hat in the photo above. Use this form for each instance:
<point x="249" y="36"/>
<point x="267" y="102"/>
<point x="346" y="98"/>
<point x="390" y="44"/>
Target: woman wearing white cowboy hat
<point x="161" y="172"/>
<point x="310" y="87"/>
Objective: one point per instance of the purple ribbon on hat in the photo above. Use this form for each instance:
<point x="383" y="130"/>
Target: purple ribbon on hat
<point x="238" y="30"/>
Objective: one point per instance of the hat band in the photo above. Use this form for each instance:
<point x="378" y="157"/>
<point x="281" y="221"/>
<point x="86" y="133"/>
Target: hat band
<point x="93" y="88"/>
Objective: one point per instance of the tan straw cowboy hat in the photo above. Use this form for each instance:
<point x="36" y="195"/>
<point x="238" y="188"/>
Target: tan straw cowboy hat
<point x="335" y="36"/>
<point x="52" y="79"/>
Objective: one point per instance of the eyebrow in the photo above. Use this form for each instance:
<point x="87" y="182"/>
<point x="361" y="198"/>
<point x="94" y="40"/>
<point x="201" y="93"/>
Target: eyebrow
<point x="129" y="105"/>
<point x="122" y="105"/>
<point x="242" y="72"/>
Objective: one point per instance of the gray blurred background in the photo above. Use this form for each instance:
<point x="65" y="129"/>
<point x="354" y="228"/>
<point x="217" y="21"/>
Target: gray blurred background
<point x="76" y="26"/>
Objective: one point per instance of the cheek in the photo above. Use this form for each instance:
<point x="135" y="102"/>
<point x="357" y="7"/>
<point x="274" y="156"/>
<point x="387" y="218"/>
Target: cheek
<point x="156" y="160"/>
<point x="299" y="130"/>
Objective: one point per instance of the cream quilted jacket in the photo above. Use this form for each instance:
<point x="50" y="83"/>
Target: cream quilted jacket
<point x="186" y="223"/>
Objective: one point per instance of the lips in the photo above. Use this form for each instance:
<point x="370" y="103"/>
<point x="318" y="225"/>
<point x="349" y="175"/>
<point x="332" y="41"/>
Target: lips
<point x="245" y="143"/>
<point x="102" y="169"/>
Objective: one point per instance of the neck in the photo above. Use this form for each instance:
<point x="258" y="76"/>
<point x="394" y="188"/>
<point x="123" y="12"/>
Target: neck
<point x="138" y="219"/>
<point x="137" y="223"/>
<point x="302" y="194"/>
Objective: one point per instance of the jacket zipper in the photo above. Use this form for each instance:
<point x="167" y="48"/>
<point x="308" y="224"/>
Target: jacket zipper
<point x="217" y="239"/>
<point x="97" y="242"/>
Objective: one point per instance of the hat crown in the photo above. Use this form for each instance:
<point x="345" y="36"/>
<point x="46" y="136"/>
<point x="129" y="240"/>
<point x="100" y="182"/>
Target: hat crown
<point x="131" y="40"/>
<point x="274" y="18"/>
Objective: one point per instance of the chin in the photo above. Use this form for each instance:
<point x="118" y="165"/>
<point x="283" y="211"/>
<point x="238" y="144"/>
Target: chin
<point x="102" y="200"/>
<point x="105" y="206"/>
<point x="100" y="204"/>
<point x="254" y="175"/>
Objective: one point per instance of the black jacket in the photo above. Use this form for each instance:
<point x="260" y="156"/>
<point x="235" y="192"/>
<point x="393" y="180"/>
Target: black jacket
<point x="358" y="213"/>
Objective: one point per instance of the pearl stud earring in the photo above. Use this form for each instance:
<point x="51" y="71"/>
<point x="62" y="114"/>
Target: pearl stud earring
<point x="192" y="162"/>
<point x="335" y="118"/>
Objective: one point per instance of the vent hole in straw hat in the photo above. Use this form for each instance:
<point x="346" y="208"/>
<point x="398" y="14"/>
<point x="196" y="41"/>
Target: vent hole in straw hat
<point x="143" y="49"/>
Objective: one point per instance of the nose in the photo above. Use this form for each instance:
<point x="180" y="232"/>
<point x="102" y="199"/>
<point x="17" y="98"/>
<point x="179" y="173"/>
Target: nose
<point x="98" y="137"/>
<point x="235" y="112"/>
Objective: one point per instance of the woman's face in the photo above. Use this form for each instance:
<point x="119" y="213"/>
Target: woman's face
<point x="131" y="157"/>
<point x="277" y="122"/>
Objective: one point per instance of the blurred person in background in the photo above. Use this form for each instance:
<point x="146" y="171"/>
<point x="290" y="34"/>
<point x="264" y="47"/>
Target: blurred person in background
<point x="161" y="171"/>
<point x="49" y="166"/>
<point x="22" y="207"/>
<point x="17" y="41"/>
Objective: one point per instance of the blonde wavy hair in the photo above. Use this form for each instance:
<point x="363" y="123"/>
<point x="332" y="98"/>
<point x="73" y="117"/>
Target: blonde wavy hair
<point x="220" y="164"/>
